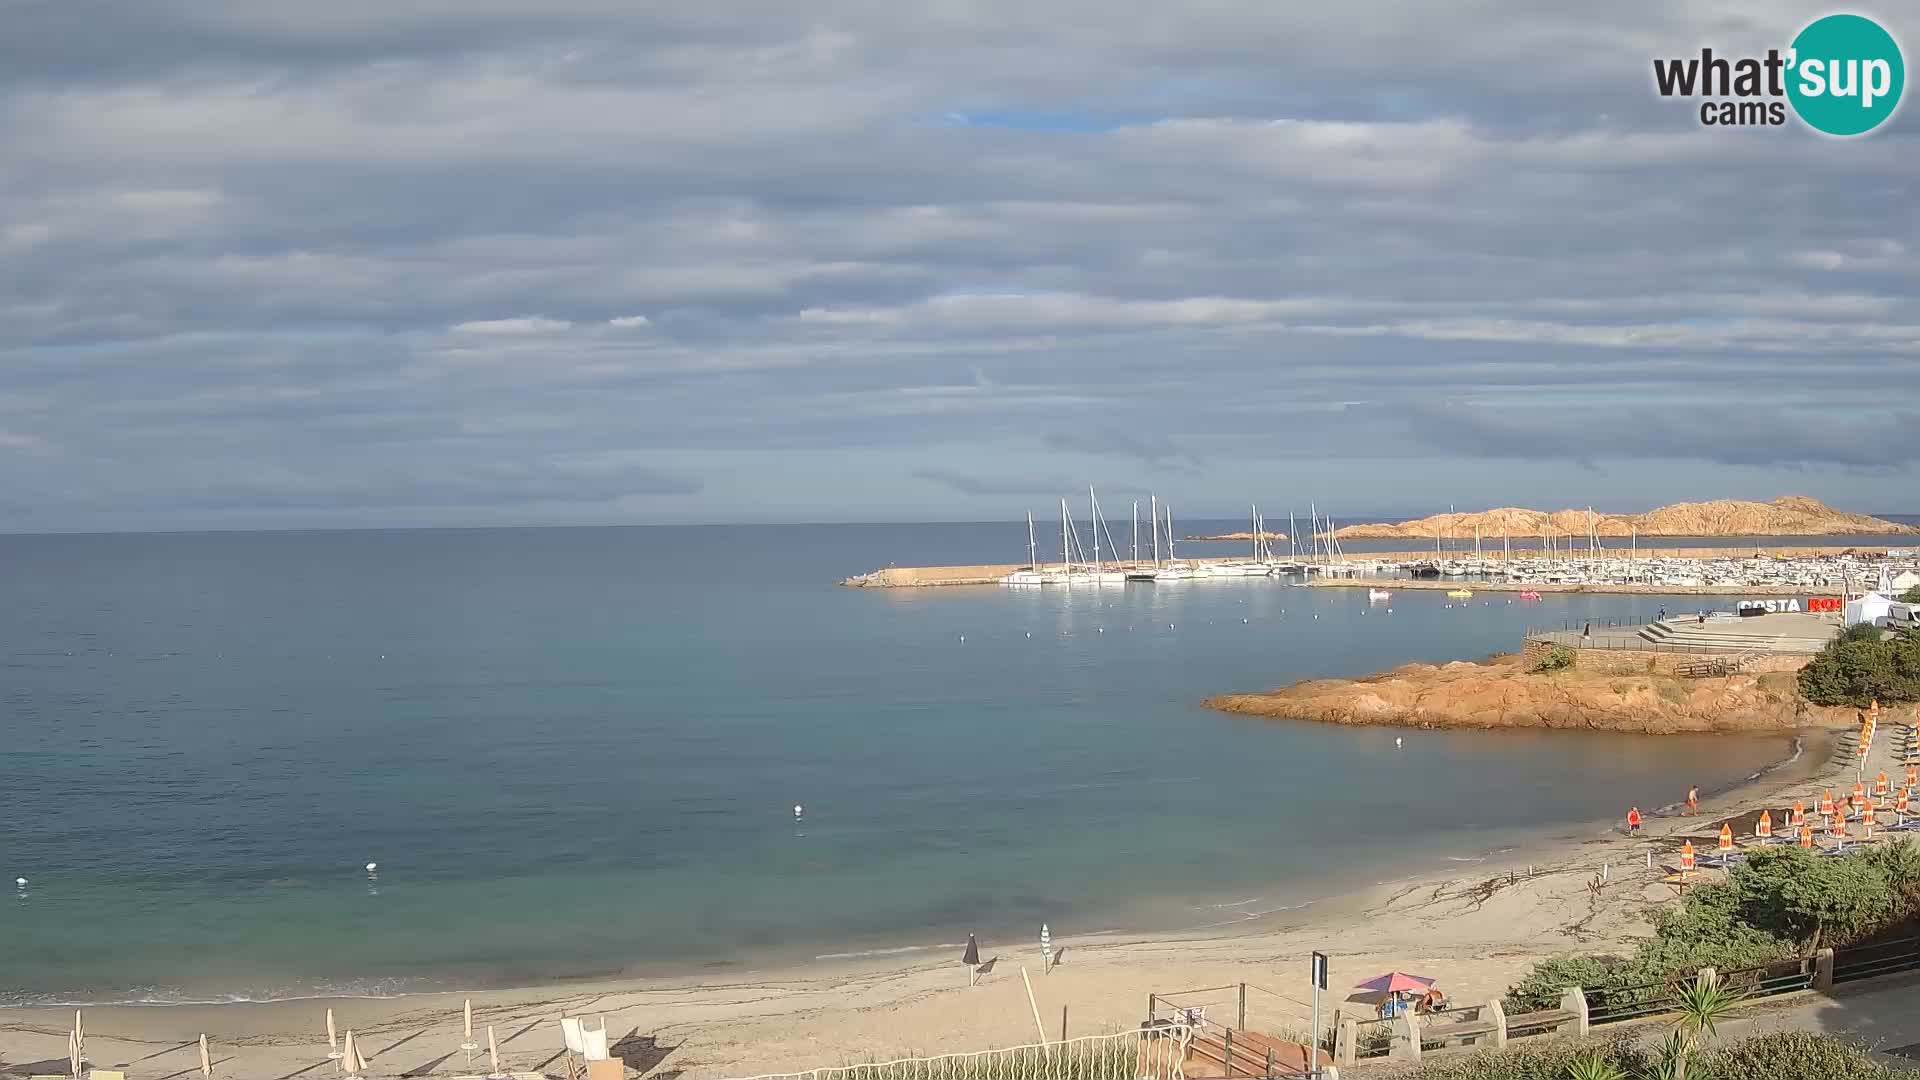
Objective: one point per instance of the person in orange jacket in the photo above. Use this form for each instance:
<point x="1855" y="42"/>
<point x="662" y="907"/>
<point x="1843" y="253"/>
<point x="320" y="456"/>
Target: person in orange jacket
<point x="1633" y="821"/>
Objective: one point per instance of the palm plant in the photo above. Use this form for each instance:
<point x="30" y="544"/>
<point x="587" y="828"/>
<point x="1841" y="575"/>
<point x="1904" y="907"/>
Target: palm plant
<point x="1702" y="1003"/>
<point x="1593" y="1066"/>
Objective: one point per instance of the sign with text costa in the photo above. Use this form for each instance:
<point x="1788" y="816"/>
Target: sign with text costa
<point x="1788" y="603"/>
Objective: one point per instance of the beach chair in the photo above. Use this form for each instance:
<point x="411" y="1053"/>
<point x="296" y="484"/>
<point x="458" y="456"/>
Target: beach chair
<point x="106" y="1074"/>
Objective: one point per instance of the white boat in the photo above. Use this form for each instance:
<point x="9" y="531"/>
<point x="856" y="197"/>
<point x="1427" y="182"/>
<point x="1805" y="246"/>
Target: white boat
<point x="1376" y="596"/>
<point x="1238" y="569"/>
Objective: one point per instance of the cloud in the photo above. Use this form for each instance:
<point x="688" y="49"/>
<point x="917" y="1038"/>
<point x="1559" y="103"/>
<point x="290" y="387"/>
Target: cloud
<point x="335" y="267"/>
<point x="994" y="485"/>
<point x="525" y="324"/>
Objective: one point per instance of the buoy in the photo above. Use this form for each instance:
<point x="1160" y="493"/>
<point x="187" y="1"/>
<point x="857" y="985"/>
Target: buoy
<point x="1397" y="740"/>
<point x="20" y="881"/>
<point x="798" y="809"/>
<point x="1029" y="633"/>
<point x="1103" y="629"/>
<point x="963" y="639"/>
<point x="372" y="866"/>
<point x="1243" y="620"/>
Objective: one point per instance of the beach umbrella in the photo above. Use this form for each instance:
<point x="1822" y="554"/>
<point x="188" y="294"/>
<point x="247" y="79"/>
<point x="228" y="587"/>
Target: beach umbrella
<point x="1686" y="859"/>
<point x="1046" y="949"/>
<point x="1837" y="827"/>
<point x="1799" y="814"/>
<point x="333" y="1038"/>
<point x="1866" y="818"/>
<point x="73" y="1051"/>
<point x="1873" y="713"/>
<point x="1880" y="786"/>
<point x="1913" y="776"/>
<point x="79" y="1047"/>
<point x="1397" y="982"/>
<point x="1826" y="803"/>
<point x="206" y="1059"/>
<point x="971" y="957"/>
<point x="1901" y="803"/>
<point x="1806" y="836"/>
<point x="1764" y="827"/>
<point x="493" y="1052"/>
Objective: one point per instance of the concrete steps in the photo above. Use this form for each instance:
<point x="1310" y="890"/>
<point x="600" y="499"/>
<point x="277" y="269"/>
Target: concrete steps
<point x="1716" y="637"/>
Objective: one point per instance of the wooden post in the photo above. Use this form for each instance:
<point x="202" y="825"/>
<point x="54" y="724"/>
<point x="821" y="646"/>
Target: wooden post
<point x="1346" y="1044"/>
<point x="1226" y="1069"/>
<point x="1498" y="1014"/>
<point x="1063" y="1023"/>
<point x="1036" y="1005"/>
<point x="1242" y="1022"/>
<point x="1406" y="1037"/>
<point x="1269" y="1072"/>
<point x="1823" y="970"/>
<point x="1574" y="1000"/>
<point x="1150" y="1000"/>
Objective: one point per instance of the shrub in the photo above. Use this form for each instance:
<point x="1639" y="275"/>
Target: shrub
<point x="1911" y="596"/>
<point x="1542" y="987"/>
<point x="1793" y="1055"/>
<point x="1558" y="658"/>
<point x="1862" y="665"/>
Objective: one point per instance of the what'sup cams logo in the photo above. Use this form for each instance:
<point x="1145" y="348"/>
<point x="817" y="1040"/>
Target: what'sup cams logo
<point x="1843" y="75"/>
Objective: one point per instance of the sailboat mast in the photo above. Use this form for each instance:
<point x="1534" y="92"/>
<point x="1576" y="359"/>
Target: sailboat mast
<point x="1153" y="505"/>
<point x="1093" y="509"/>
<point x="1170" y="557"/>
<point x="1136" y="532"/>
<point x="1293" y="538"/>
<point x="1033" y="553"/>
<point x="1066" y="562"/>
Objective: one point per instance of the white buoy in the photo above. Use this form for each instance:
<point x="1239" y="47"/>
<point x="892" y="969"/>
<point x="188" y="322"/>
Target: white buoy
<point x="20" y="881"/>
<point x="963" y="639"/>
<point x="1397" y="740"/>
<point x="1029" y="633"/>
<point x="798" y="809"/>
<point x="1243" y="620"/>
<point x="1103" y="629"/>
<point x="372" y="866"/>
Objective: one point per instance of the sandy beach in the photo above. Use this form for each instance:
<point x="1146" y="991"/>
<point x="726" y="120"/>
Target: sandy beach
<point x="1475" y="929"/>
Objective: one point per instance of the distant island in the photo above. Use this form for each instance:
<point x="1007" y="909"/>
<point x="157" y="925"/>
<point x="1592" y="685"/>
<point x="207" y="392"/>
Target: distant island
<point x="1793" y="515"/>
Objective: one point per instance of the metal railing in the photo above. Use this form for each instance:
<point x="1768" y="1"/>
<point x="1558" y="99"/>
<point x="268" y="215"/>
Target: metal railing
<point x="1158" y="1052"/>
<point x="1616" y="1006"/>
<point x="1881" y="958"/>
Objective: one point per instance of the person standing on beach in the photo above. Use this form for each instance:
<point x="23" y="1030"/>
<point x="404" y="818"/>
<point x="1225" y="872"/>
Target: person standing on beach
<point x="1693" y="799"/>
<point x="1633" y="821"/>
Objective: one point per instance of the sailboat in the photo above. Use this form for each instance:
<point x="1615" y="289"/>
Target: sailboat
<point x="1255" y="567"/>
<point x="1098" y="574"/>
<point x="1030" y="574"/>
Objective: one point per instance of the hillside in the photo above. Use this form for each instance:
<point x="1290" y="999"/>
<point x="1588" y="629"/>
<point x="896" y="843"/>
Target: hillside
<point x="1793" y="515"/>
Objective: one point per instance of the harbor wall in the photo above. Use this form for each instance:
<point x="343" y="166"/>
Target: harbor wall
<point x="1650" y="662"/>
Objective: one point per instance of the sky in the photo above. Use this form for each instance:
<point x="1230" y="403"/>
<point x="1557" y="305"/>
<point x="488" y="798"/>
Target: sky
<point x="276" y="263"/>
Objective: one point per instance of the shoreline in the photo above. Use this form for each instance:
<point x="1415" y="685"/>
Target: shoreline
<point x="1474" y="923"/>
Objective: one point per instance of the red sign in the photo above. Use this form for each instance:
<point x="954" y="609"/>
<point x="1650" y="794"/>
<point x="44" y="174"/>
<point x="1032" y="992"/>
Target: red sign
<point x="1823" y="603"/>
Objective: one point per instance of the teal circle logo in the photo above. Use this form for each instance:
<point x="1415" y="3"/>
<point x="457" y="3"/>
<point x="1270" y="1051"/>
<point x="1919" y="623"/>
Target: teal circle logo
<point x="1846" y="75"/>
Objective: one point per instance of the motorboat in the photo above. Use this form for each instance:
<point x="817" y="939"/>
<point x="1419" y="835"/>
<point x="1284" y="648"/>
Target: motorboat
<point x="1378" y="596"/>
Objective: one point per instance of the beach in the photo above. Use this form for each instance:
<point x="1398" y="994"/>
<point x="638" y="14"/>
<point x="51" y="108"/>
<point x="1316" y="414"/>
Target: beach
<point x="1476" y="929"/>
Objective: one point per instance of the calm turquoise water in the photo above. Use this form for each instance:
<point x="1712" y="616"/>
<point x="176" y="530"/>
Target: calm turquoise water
<point x="576" y="751"/>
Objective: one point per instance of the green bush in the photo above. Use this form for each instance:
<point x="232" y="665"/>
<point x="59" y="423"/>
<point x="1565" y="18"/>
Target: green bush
<point x="1789" y="1055"/>
<point x="1542" y="987"/>
<point x="1911" y="596"/>
<point x="1792" y="1055"/>
<point x="1862" y="665"/>
<point x="1558" y="658"/>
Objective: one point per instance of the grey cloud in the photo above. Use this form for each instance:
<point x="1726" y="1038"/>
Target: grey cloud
<point x="276" y="231"/>
<point x="995" y="485"/>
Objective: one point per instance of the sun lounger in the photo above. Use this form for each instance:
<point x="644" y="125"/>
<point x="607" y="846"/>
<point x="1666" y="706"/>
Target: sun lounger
<point x="106" y="1074"/>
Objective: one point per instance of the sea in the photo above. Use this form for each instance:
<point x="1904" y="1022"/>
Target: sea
<point x="590" y="752"/>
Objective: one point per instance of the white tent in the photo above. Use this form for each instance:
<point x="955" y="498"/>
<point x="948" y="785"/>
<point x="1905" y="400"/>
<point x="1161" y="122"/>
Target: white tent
<point x="1904" y="580"/>
<point x="1867" y="607"/>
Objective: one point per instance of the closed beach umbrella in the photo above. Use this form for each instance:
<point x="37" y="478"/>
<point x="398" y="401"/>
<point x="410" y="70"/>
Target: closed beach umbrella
<point x="1686" y="859"/>
<point x="1764" y="827"/>
<point x="350" y="1054"/>
<point x="77" y="1045"/>
<point x="333" y="1037"/>
<point x="971" y="956"/>
<point x="467" y="1018"/>
<point x="1913" y="776"/>
<point x="493" y="1051"/>
<point x="1046" y="947"/>
<point x="1799" y="814"/>
<point x="206" y="1059"/>
<point x="1880" y="786"/>
<point x="1806" y="836"/>
<point x="1866" y="818"/>
<point x="73" y="1051"/>
<point x="1826" y="803"/>
<point x="1837" y="827"/>
<point x="1726" y="839"/>
<point x="1873" y="713"/>
<point x="1901" y="803"/>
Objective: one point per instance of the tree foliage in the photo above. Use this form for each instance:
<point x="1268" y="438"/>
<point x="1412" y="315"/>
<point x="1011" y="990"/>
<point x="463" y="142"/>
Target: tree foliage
<point x="1558" y="658"/>
<point x="1861" y="665"/>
